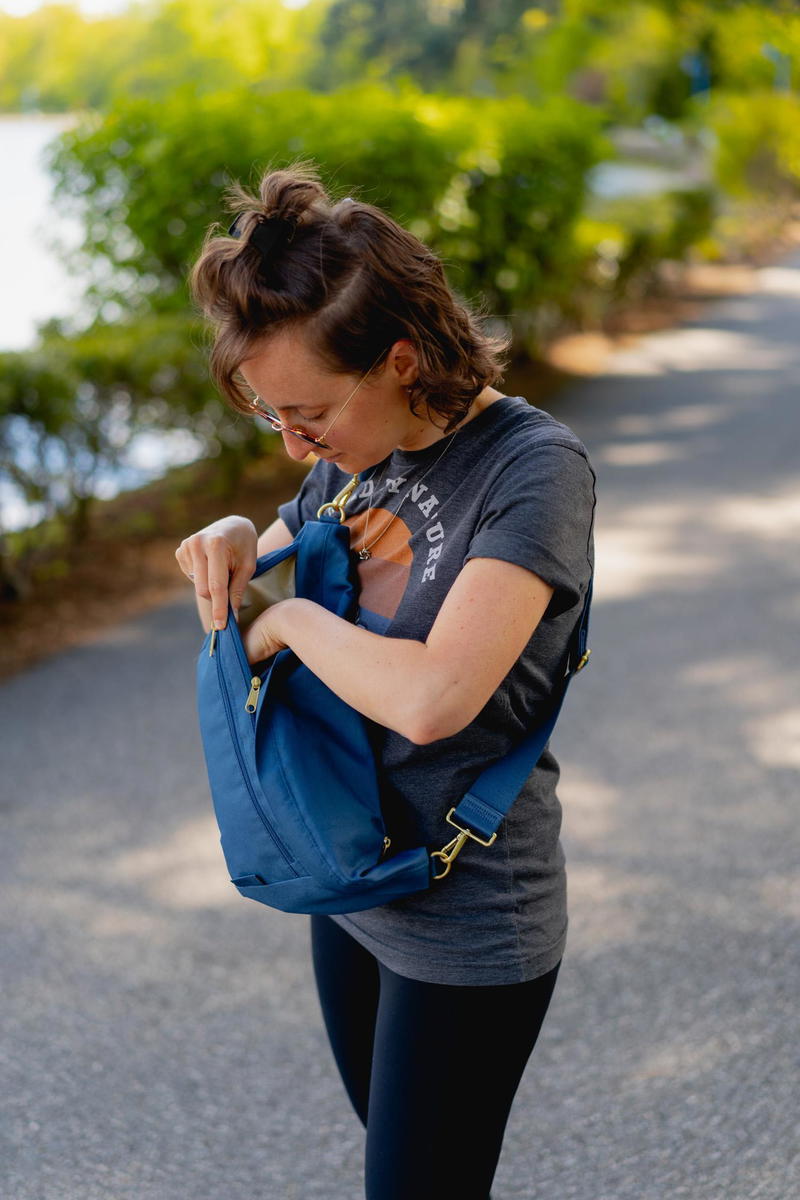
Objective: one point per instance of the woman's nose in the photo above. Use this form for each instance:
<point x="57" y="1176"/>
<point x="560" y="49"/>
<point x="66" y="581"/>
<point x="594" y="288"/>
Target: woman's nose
<point x="295" y="447"/>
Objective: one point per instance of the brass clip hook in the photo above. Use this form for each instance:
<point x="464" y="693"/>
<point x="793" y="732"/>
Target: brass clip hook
<point x="338" y="503"/>
<point x="449" y="853"/>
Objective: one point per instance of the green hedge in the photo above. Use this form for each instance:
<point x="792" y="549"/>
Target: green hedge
<point x="69" y="409"/>
<point x="495" y="186"/>
<point x="757" y="136"/>
<point x="622" y="243"/>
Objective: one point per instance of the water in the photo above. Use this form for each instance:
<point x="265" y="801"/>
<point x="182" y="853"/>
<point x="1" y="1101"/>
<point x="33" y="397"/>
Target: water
<point x="37" y="286"/>
<point x="610" y="180"/>
<point x="35" y="283"/>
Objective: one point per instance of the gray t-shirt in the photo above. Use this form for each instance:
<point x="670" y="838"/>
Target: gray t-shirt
<point x="513" y="484"/>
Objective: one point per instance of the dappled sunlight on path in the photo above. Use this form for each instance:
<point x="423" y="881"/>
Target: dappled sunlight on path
<point x="680" y="755"/>
<point x="159" y="1010"/>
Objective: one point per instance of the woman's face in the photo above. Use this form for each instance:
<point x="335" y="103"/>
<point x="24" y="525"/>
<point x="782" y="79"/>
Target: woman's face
<point x="290" y="380"/>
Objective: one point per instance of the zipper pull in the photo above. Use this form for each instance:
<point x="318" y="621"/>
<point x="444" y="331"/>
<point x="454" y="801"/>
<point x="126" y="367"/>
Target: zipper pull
<point x="252" y="698"/>
<point x="387" y="841"/>
<point x="213" y="643"/>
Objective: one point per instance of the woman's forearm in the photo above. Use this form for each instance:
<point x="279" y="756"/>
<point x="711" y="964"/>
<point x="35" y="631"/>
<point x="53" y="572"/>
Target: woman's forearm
<point x="422" y="690"/>
<point x="390" y="680"/>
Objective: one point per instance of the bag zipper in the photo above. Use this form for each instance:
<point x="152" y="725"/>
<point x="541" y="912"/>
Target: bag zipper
<point x="251" y="703"/>
<point x="232" y="726"/>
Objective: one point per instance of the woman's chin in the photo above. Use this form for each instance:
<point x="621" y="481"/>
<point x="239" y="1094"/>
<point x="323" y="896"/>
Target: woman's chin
<point x="336" y="459"/>
<point x="348" y="465"/>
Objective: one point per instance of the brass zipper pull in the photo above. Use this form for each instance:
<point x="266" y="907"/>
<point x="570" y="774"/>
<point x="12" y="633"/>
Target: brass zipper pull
<point x="212" y="643"/>
<point x="252" y="697"/>
<point x="387" y="841"/>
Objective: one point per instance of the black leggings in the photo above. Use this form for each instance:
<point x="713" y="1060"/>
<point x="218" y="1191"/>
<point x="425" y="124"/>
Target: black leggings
<point x="431" y="1069"/>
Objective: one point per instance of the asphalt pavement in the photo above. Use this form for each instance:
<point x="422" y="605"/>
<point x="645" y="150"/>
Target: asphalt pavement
<point x="160" y="1035"/>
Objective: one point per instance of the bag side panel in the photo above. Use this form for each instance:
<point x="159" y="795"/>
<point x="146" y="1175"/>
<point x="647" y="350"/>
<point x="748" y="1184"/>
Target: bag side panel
<point x="316" y="773"/>
<point x="247" y="845"/>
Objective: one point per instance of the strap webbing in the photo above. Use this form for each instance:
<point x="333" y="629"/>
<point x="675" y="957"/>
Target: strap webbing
<point x="489" y="799"/>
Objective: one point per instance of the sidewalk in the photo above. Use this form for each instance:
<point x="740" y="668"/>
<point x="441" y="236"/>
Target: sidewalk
<point x="162" y="1037"/>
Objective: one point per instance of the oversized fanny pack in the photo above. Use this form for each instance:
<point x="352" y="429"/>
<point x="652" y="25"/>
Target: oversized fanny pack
<point x="293" y="777"/>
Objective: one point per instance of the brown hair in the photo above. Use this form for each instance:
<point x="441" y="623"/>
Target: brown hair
<point x="354" y="279"/>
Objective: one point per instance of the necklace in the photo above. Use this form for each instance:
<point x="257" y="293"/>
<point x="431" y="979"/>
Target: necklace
<point x="365" y="551"/>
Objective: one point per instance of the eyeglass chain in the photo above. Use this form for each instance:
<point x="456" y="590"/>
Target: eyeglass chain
<point x="364" y="552"/>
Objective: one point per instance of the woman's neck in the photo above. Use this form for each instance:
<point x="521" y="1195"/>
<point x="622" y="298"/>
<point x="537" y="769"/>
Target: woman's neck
<point x="427" y="433"/>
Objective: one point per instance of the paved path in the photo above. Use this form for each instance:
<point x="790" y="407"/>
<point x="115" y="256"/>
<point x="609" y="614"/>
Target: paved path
<point x="161" y="1036"/>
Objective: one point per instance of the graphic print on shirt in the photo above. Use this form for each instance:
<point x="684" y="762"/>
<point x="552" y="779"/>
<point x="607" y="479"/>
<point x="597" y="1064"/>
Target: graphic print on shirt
<point x="385" y="575"/>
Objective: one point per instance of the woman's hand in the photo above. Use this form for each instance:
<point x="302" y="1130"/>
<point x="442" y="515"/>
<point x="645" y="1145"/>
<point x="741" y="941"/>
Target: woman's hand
<point x="220" y="560"/>
<point x="261" y="638"/>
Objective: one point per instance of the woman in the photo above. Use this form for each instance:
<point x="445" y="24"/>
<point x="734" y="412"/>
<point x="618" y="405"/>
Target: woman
<point x="472" y="525"/>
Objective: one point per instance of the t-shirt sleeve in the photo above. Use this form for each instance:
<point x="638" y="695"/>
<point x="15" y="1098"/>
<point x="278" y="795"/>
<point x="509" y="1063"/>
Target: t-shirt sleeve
<point x="314" y="490"/>
<point x="539" y="514"/>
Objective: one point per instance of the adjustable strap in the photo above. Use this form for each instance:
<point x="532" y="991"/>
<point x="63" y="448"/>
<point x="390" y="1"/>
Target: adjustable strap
<point x="480" y="812"/>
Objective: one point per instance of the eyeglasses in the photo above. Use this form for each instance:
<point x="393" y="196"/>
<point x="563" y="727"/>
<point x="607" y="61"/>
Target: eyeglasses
<point x="279" y="426"/>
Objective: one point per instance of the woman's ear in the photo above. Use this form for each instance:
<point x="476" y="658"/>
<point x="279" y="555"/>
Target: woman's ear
<point x="403" y="361"/>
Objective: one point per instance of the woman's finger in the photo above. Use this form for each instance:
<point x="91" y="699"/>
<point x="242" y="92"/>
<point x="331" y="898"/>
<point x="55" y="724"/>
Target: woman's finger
<point x="198" y="572"/>
<point x="239" y="580"/>
<point x="210" y="568"/>
<point x="184" y="559"/>
<point x="218" y="587"/>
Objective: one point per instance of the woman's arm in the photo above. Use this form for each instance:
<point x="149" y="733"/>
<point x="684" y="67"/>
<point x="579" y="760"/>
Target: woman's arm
<point x="422" y="690"/>
<point x="274" y="536"/>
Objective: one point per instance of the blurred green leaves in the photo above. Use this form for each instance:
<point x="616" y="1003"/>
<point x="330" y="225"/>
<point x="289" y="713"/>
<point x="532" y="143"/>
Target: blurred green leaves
<point x="476" y="123"/>
<point x="757" y="143"/>
<point x="56" y="60"/>
<point x="70" y="408"/>
<point x="495" y="186"/>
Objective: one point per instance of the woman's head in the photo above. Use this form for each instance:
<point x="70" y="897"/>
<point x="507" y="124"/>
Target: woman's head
<point x="346" y="288"/>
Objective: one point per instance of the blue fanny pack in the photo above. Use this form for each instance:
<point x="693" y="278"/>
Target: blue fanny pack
<point x="294" y="782"/>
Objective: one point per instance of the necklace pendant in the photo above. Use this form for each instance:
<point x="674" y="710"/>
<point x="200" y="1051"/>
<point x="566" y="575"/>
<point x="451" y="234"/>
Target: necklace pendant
<point x="364" y="554"/>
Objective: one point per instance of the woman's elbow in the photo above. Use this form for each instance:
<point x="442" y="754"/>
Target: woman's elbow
<point x="432" y="725"/>
<point x="421" y="735"/>
<point x="444" y="704"/>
